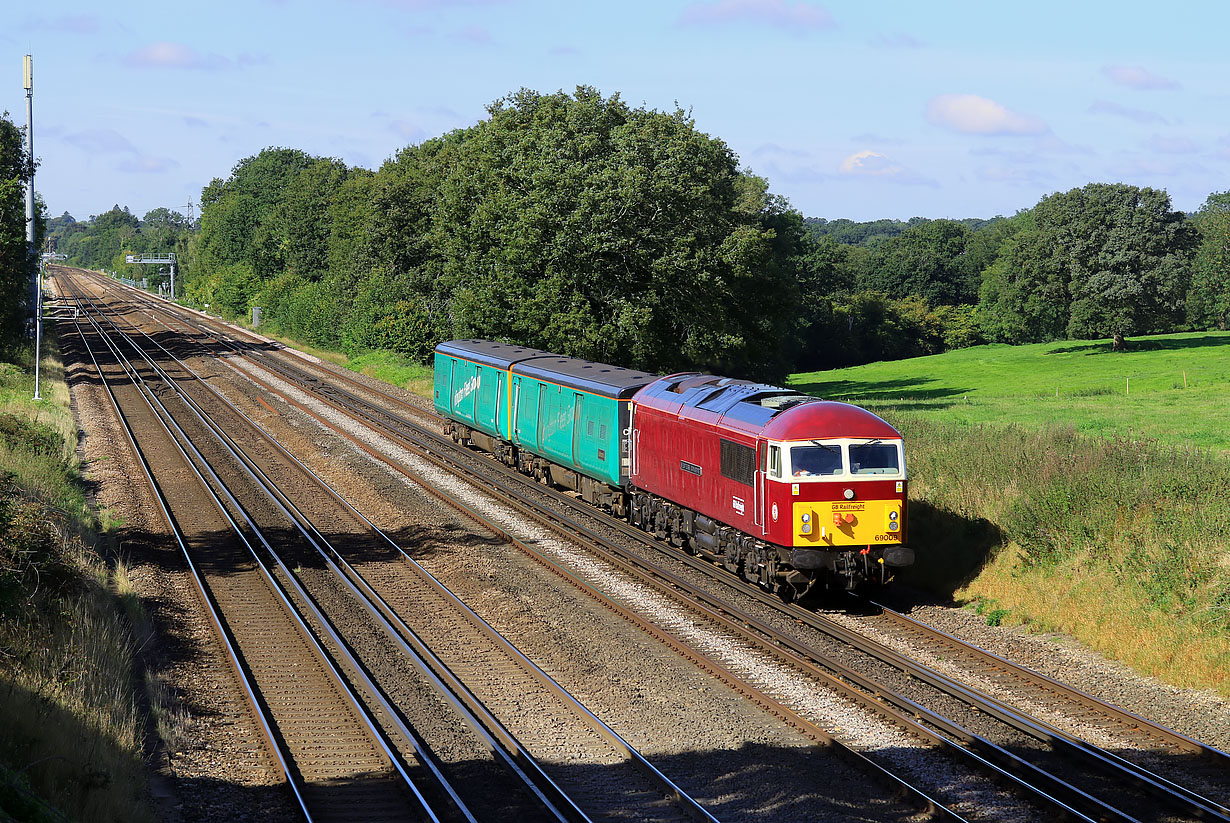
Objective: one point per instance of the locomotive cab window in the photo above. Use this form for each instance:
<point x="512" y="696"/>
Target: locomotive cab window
<point x="874" y="458"/>
<point x="816" y="460"/>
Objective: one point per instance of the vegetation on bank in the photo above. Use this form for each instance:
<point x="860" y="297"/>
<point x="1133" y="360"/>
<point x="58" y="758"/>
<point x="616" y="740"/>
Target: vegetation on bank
<point x="17" y="267"/>
<point x="73" y="728"/>
<point x="1100" y="514"/>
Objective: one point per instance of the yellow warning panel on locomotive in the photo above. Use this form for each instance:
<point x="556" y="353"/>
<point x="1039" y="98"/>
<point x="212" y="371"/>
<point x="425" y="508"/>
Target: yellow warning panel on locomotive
<point x="848" y="523"/>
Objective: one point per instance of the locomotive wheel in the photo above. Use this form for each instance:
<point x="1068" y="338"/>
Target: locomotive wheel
<point x="732" y="558"/>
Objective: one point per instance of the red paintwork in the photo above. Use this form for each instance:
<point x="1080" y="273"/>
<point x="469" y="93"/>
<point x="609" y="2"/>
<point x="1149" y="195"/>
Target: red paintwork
<point x="664" y="439"/>
<point x="666" y="432"/>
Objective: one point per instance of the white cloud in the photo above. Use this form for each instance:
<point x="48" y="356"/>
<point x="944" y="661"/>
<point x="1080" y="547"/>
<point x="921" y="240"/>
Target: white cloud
<point x="971" y="114"/>
<point x="166" y="55"/>
<point x="779" y="13"/>
<point x="874" y="165"/>
<point x="1139" y="115"/>
<point x="1136" y="77"/>
<point x="101" y="141"/>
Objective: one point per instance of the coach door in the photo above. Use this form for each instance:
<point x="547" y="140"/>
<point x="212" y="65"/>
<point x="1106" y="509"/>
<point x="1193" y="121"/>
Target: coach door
<point x="577" y="399"/>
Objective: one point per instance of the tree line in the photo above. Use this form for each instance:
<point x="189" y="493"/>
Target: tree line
<point x="17" y="265"/>
<point x="579" y="224"/>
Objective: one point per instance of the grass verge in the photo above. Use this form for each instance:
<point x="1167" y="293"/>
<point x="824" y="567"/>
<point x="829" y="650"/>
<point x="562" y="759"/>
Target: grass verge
<point x="1122" y="544"/>
<point x="72" y="741"/>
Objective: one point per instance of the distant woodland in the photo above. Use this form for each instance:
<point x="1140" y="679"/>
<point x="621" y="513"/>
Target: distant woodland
<point x="579" y="224"/>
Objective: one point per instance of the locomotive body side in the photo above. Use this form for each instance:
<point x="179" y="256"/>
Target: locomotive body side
<point x="679" y="448"/>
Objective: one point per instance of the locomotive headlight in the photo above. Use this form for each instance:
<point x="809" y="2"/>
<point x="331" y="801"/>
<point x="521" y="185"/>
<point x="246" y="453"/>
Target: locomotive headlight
<point x="805" y="523"/>
<point x="806" y="517"/>
<point x="893" y="526"/>
<point x="893" y="515"/>
<point x="848" y="494"/>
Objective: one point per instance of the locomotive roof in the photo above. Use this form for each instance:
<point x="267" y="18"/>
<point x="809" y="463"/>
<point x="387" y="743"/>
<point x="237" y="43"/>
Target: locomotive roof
<point x="490" y="353"/>
<point x="583" y="375"/>
<point x="761" y="409"/>
<point x="824" y="419"/>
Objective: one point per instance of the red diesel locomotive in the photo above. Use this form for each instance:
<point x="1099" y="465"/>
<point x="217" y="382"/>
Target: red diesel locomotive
<point x="791" y="492"/>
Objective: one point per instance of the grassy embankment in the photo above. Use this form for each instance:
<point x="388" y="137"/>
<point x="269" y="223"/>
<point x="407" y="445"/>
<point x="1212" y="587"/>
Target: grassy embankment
<point x="389" y="367"/>
<point x="1069" y="488"/>
<point x="71" y="746"/>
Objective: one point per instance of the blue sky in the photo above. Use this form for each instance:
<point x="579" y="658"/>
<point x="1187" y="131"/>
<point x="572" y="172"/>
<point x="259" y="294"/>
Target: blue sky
<point x="850" y="109"/>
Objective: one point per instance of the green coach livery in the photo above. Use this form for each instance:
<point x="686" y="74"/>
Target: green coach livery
<point x="521" y="404"/>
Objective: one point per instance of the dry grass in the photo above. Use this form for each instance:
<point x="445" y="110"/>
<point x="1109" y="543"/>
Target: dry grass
<point x="72" y="729"/>
<point x="1124" y="627"/>
<point x="1118" y="543"/>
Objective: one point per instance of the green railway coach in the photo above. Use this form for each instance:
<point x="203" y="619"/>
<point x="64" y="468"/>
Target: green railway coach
<point x="554" y="417"/>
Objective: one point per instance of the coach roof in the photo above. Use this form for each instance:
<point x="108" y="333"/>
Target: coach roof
<point x="583" y="375"/>
<point x="490" y="353"/>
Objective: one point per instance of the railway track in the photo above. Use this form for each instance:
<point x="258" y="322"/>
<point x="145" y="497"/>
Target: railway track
<point x="295" y="694"/>
<point x="476" y="669"/>
<point x="1155" y="798"/>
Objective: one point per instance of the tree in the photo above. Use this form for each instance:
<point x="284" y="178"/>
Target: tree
<point x="1102" y="260"/>
<point x="1128" y="257"/>
<point x="301" y="222"/>
<point x="1024" y="293"/>
<point x="581" y="225"/>
<point x="237" y="214"/>
<point x="1209" y="298"/>
<point x="16" y="265"/>
<point x="926" y="261"/>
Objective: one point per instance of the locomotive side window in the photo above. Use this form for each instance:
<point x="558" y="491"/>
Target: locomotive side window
<point x="874" y="458"/>
<point x="775" y="461"/>
<point x="816" y="461"/>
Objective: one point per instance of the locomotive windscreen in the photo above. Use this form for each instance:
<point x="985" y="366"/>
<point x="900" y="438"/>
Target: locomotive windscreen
<point x="874" y="458"/>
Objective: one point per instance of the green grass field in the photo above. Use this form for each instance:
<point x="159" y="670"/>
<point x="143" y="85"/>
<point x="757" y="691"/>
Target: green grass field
<point x="1174" y="388"/>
